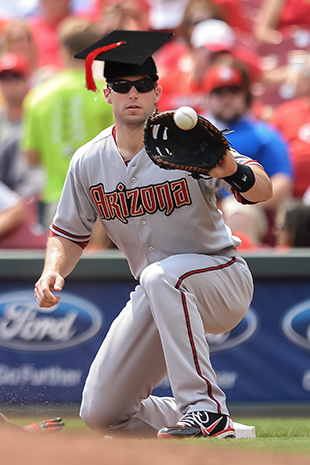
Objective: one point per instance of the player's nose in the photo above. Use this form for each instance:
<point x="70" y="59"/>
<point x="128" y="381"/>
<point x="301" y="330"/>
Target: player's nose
<point x="133" y="92"/>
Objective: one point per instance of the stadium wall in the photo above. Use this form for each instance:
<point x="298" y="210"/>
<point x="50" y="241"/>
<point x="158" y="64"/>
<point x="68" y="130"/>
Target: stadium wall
<point x="45" y="354"/>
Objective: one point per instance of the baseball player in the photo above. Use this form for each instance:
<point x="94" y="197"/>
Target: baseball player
<point x="191" y="279"/>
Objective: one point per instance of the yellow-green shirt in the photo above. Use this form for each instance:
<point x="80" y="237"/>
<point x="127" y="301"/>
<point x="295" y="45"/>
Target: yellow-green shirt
<point x="60" y="115"/>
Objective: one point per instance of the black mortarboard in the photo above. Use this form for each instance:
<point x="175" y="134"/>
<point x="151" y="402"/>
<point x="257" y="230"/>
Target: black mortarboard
<point x="125" y="53"/>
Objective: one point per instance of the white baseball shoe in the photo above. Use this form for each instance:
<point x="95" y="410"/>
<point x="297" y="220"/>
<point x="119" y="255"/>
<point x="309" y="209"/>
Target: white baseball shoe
<point x="198" y="424"/>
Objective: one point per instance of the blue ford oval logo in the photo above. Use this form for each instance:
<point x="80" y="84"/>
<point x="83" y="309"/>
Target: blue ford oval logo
<point x="241" y="333"/>
<point x="296" y="325"/>
<point x="26" y="326"/>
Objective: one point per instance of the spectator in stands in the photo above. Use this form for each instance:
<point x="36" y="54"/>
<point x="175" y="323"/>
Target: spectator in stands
<point x="17" y="37"/>
<point x="131" y="15"/>
<point x="292" y="225"/>
<point x="210" y="39"/>
<point x="19" y="228"/>
<point x="229" y="107"/>
<point x="61" y="115"/>
<point x="230" y="11"/>
<point x="213" y="38"/>
<point x="282" y="33"/>
<point x="14" y="74"/>
<point x="176" y="54"/>
<point x="292" y="119"/>
<point x="14" y="171"/>
<point x="276" y="16"/>
<point x="44" y="25"/>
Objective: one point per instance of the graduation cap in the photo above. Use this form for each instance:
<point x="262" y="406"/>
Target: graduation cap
<point x="125" y="53"/>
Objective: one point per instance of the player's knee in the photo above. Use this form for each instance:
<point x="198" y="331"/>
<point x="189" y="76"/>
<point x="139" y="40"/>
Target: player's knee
<point x="97" y="418"/>
<point x="102" y="410"/>
<point x="153" y="275"/>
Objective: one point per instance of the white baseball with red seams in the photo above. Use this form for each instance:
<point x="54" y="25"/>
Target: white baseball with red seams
<point x="192" y="281"/>
<point x="185" y="118"/>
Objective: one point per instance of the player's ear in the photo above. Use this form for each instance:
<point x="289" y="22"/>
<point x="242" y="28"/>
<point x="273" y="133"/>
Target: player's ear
<point x="158" y="92"/>
<point x="107" y="94"/>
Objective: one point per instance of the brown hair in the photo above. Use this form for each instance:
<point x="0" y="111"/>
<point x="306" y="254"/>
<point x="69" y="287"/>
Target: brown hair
<point x="184" y="28"/>
<point x="76" y="34"/>
<point x="297" y="223"/>
<point x="7" y="40"/>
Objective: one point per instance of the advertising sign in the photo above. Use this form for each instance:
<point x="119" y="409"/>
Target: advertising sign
<point x="45" y="354"/>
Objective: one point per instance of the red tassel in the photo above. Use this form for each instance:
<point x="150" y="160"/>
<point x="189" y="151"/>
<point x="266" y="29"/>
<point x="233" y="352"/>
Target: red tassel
<point x="90" y="83"/>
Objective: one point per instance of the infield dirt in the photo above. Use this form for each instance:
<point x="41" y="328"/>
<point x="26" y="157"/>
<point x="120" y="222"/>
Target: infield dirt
<point x="92" y="449"/>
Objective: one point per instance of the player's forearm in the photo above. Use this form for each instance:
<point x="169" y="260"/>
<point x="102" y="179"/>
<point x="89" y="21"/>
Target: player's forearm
<point x="62" y="255"/>
<point x="257" y="188"/>
<point x="262" y="188"/>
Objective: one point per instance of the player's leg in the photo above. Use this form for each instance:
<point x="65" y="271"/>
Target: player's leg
<point x="128" y="366"/>
<point x="191" y="295"/>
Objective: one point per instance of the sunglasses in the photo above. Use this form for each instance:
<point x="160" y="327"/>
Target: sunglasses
<point x="123" y="87"/>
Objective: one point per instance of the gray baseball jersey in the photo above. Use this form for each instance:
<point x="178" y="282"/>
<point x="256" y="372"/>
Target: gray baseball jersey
<point x="149" y="213"/>
<point x="192" y="282"/>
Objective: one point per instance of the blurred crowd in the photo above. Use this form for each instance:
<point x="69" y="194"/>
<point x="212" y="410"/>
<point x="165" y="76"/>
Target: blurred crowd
<point x="243" y="64"/>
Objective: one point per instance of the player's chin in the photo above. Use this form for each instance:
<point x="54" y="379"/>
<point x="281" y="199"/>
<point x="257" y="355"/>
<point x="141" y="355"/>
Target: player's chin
<point x="136" y="118"/>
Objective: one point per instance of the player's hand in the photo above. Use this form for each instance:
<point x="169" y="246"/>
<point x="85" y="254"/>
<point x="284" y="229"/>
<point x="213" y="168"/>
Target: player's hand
<point x="44" y="288"/>
<point x="46" y="426"/>
<point x="226" y="167"/>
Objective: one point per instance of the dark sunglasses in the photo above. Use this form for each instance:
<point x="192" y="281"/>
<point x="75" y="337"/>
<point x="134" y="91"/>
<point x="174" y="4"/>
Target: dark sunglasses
<point x="123" y="87"/>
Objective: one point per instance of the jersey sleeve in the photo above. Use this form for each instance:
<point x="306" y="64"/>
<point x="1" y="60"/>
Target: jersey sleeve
<point x="75" y="216"/>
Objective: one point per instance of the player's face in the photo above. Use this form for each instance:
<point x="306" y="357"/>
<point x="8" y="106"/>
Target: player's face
<point x="227" y="103"/>
<point x="133" y="106"/>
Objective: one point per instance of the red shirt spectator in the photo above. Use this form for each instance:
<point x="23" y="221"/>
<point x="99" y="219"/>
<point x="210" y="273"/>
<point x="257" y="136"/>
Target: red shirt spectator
<point x="45" y="25"/>
<point x="293" y="120"/>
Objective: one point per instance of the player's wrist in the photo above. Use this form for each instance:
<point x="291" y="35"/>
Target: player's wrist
<point x="243" y="179"/>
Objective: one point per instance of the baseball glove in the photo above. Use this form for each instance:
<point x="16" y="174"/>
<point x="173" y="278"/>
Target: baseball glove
<point x="196" y="150"/>
<point x="56" y="424"/>
<point x="46" y="426"/>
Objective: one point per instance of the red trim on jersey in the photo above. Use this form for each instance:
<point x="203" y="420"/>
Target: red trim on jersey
<point x="114" y="137"/>
<point x="188" y="324"/>
<point x="240" y="198"/>
<point x="70" y="237"/>
<point x="204" y="270"/>
<point x="190" y="334"/>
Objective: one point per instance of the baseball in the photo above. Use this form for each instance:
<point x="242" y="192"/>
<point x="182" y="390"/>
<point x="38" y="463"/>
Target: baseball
<point x="185" y="118"/>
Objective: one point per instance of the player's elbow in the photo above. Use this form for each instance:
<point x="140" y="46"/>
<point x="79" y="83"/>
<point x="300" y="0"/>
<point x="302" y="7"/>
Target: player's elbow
<point x="262" y="189"/>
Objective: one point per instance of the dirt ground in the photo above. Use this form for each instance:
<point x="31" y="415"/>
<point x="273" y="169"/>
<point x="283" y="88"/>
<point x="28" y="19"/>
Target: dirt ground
<point x="92" y="449"/>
